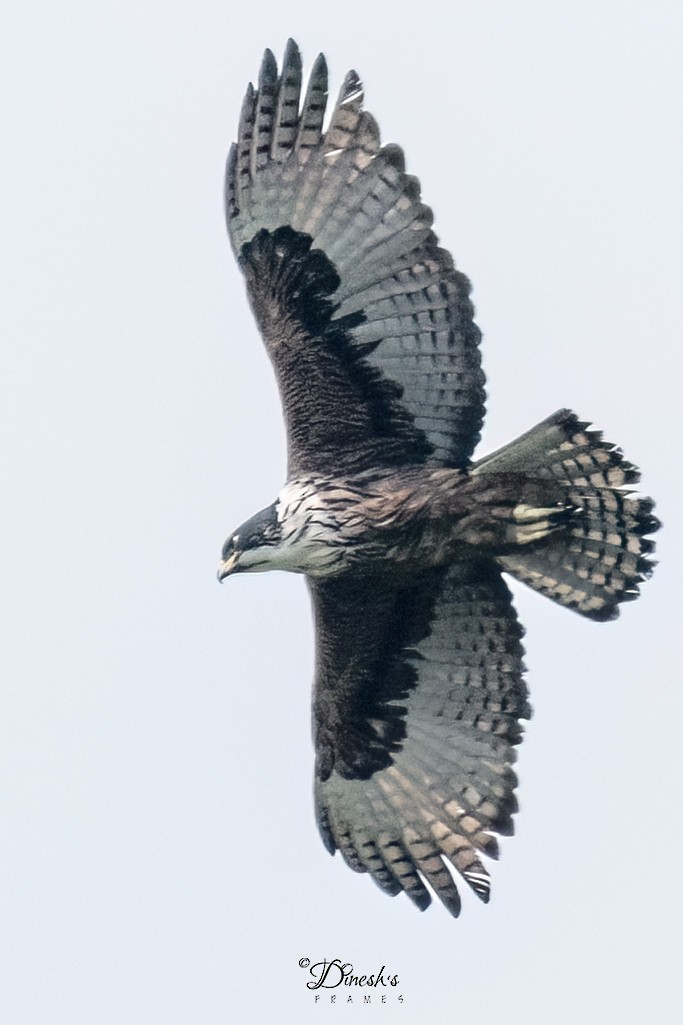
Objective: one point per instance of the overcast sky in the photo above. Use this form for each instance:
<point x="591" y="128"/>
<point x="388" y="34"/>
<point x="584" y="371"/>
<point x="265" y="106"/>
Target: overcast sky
<point x="160" y="860"/>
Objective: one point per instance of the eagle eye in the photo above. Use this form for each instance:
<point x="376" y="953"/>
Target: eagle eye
<point x="230" y="546"/>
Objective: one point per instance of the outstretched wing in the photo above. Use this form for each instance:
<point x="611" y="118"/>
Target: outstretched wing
<point x="348" y="282"/>
<point x="419" y="693"/>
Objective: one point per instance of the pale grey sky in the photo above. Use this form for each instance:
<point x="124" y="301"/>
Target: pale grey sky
<point x="160" y="861"/>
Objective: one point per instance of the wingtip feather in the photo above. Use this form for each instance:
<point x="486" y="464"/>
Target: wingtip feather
<point x="268" y="72"/>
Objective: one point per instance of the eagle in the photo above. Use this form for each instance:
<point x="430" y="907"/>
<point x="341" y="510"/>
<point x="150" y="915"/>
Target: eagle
<point x="404" y="540"/>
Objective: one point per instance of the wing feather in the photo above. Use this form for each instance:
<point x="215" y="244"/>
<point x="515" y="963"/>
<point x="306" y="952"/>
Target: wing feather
<point x="286" y="119"/>
<point x="313" y="110"/>
<point x="419" y="697"/>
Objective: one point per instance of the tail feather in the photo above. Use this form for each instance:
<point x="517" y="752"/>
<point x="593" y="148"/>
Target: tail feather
<point x="602" y="556"/>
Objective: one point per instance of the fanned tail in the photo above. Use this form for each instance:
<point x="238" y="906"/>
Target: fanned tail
<point x="602" y="556"/>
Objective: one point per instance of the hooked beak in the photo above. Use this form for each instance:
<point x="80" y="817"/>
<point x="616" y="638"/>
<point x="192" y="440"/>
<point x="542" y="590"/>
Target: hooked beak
<point x="226" y="568"/>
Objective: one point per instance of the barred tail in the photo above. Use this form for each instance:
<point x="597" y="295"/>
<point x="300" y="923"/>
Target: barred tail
<point x="599" y="559"/>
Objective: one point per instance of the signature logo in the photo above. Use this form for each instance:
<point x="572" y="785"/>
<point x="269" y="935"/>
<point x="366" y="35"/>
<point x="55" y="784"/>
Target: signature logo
<point x="325" y="975"/>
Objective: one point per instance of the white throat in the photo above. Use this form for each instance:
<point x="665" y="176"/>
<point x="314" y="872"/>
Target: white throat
<point x="310" y="531"/>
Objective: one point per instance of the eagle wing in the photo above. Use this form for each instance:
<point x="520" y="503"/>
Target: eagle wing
<point x="418" y="696"/>
<point x="366" y="321"/>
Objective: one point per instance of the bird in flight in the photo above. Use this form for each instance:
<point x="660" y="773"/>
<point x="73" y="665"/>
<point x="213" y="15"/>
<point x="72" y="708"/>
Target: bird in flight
<point x="403" y="539"/>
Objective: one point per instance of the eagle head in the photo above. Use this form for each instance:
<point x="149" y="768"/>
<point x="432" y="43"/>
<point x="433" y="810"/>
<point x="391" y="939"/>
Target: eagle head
<point x="252" y="547"/>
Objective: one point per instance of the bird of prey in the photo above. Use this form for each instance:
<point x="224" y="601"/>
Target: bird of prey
<point x="403" y="539"/>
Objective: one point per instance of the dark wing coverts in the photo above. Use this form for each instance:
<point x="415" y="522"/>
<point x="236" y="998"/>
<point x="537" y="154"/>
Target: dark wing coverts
<point x="390" y="295"/>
